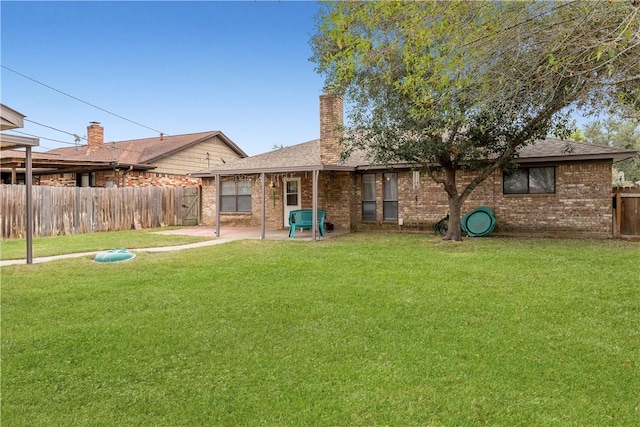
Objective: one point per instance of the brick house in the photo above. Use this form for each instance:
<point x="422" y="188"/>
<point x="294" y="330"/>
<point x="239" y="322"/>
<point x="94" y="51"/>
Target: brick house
<point x="560" y="188"/>
<point x="164" y="161"/>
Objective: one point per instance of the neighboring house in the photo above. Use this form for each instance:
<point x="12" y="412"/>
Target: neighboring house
<point x="161" y="161"/>
<point x="560" y="188"/>
<point x="12" y="164"/>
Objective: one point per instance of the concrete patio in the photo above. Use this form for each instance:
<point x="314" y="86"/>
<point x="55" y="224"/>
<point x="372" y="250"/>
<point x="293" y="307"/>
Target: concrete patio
<point x="243" y="233"/>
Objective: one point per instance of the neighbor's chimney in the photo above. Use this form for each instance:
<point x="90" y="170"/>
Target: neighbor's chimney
<point x="331" y="123"/>
<point x="95" y="137"/>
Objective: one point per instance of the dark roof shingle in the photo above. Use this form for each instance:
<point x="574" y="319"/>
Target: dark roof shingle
<point x="142" y="151"/>
<point x="306" y="156"/>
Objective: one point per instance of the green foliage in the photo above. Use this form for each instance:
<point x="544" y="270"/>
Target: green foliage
<point x="614" y="132"/>
<point x="468" y="83"/>
<point x="529" y="332"/>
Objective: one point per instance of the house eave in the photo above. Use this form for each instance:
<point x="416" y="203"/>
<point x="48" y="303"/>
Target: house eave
<point x="50" y="165"/>
<point x="10" y="118"/>
<point x="253" y="171"/>
<point x="615" y="157"/>
<point x="14" y="141"/>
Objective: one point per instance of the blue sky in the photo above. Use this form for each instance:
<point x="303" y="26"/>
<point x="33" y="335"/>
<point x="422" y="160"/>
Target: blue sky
<point x="176" y="67"/>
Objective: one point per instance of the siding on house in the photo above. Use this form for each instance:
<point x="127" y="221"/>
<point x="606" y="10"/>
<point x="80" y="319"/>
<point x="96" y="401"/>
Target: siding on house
<point x="194" y="158"/>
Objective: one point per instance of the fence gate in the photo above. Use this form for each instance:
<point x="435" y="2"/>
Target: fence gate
<point x="191" y="206"/>
<point x="629" y="214"/>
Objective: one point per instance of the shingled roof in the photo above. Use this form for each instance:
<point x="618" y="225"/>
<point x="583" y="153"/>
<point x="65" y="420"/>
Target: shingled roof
<point x="141" y="152"/>
<point x="300" y="157"/>
<point x="550" y="150"/>
<point x="306" y="156"/>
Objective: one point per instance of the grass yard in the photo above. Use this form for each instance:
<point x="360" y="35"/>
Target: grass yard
<point x="78" y="243"/>
<point x="359" y="330"/>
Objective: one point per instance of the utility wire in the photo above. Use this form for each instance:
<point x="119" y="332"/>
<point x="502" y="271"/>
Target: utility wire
<point x="80" y="100"/>
<point x="113" y="145"/>
<point x="107" y="146"/>
<point x="56" y="129"/>
<point x="42" y="137"/>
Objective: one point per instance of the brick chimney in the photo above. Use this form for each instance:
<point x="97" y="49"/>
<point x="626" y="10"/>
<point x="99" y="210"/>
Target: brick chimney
<point x="95" y="137"/>
<point x="331" y="122"/>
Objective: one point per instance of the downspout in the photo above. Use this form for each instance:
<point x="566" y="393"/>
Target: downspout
<point x="124" y="173"/>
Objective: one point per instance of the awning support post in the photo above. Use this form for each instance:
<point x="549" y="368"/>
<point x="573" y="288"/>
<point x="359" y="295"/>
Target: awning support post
<point x="218" y="198"/>
<point x="263" y="221"/>
<point x="314" y="205"/>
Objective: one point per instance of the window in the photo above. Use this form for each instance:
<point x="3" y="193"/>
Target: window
<point x="292" y="192"/>
<point x="540" y="180"/>
<point x="369" y="197"/>
<point x="235" y="196"/>
<point x="84" y="179"/>
<point x="390" y="197"/>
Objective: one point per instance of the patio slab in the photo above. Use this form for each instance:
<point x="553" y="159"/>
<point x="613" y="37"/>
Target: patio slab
<point x="241" y="233"/>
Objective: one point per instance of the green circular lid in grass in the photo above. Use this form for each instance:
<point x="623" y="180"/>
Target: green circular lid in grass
<point x="114" y="255"/>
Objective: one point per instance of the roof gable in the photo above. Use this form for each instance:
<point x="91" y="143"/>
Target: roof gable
<point x="143" y="151"/>
<point x="300" y="156"/>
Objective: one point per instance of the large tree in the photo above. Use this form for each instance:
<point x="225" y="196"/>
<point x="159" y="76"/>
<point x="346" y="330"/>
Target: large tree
<point x="617" y="132"/>
<point x="463" y="84"/>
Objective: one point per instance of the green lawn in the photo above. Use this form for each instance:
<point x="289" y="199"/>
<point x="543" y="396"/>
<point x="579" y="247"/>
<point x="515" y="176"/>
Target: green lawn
<point x="364" y="329"/>
<point x="78" y="243"/>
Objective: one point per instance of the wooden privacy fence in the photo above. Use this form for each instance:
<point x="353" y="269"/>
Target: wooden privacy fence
<point x="76" y="210"/>
<point x="627" y="218"/>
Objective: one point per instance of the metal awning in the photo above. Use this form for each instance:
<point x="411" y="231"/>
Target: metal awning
<point x="11" y="119"/>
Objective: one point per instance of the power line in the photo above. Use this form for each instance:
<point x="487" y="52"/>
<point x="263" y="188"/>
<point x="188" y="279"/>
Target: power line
<point x="115" y="145"/>
<point x="80" y="100"/>
<point x="42" y="137"/>
<point x="77" y="137"/>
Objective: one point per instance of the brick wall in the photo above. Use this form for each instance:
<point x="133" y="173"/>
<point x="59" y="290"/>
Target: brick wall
<point x="581" y="206"/>
<point x="57" y="180"/>
<point x="150" y="179"/>
<point x="334" y="195"/>
<point x="128" y="178"/>
<point x="331" y="120"/>
<point x="95" y="137"/>
<point x="240" y="219"/>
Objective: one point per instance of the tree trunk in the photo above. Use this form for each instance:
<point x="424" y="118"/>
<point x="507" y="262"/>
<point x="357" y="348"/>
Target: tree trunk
<point x="454" y="232"/>
<point x="455" y="204"/>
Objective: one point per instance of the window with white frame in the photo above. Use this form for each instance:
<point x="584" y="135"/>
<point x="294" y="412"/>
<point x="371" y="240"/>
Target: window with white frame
<point x="235" y="196"/>
<point x="530" y="180"/>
